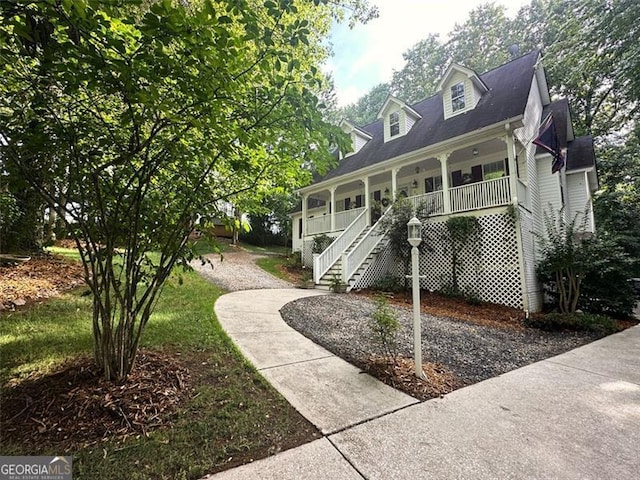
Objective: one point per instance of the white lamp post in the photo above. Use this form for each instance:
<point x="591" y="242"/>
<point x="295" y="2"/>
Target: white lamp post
<point x="414" y="236"/>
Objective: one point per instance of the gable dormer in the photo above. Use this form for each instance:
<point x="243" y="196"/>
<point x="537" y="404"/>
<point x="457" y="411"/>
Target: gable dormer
<point x="359" y="137"/>
<point x="461" y="90"/>
<point x="398" y="118"/>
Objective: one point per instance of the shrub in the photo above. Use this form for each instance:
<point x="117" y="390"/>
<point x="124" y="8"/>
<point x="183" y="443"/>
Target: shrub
<point x="321" y="242"/>
<point x="385" y="326"/>
<point x="588" y="273"/>
<point x="576" y="321"/>
<point x="388" y="283"/>
<point x="294" y="260"/>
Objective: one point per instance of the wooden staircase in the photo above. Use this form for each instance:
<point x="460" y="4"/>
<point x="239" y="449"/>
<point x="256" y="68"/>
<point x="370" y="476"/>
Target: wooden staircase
<point x="336" y="268"/>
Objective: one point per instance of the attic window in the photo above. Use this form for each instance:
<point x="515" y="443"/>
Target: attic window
<point x="394" y="124"/>
<point x="457" y="97"/>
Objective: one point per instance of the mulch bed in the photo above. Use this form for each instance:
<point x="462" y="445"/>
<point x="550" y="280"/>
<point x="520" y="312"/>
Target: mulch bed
<point x="74" y="407"/>
<point x="400" y="374"/>
<point x="42" y="277"/>
<point x="456" y="308"/>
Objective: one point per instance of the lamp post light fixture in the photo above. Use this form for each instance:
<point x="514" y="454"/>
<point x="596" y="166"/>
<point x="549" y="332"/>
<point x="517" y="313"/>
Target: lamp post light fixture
<point x="414" y="237"/>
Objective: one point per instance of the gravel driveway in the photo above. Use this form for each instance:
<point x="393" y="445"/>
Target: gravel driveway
<point x="472" y="352"/>
<point x="238" y="271"/>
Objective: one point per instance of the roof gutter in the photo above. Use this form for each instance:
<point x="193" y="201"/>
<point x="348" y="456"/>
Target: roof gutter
<point x="504" y="125"/>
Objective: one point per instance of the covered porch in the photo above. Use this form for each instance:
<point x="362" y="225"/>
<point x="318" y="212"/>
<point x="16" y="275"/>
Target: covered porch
<point x="479" y="176"/>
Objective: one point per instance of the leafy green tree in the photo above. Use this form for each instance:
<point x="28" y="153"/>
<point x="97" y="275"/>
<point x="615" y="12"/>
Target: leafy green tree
<point x="395" y="226"/>
<point x="366" y="109"/>
<point x="562" y="266"/>
<point x="425" y="63"/>
<point x="617" y="204"/>
<point x="153" y="113"/>
<point x="481" y="43"/>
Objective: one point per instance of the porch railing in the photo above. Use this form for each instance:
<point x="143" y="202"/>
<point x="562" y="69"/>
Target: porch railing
<point x="434" y="202"/>
<point x="344" y="218"/>
<point x="351" y="261"/>
<point x="491" y="193"/>
<point x="323" y="262"/>
<point x="322" y="224"/>
<point x="317" y="225"/>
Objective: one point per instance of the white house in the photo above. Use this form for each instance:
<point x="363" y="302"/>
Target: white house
<point x="467" y="150"/>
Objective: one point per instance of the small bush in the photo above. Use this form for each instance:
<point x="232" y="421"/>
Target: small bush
<point x="295" y="260"/>
<point x="385" y="326"/>
<point x="588" y="322"/>
<point x="388" y="283"/>
<point x="321" y="242"/>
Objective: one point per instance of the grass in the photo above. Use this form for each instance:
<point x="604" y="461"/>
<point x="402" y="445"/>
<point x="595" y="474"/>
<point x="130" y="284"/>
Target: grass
<point x="271" y="249"/>
<point x="270" y="264"/>
<point x="233" y="417"/>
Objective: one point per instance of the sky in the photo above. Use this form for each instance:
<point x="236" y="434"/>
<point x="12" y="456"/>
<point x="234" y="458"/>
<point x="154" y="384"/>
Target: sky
<point x="367" y="54"/>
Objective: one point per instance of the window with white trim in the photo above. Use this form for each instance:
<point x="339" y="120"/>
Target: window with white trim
<point x="493" y="170"/>
<point x="394" y="124"/>
<point x="433" y="184"/>
<point x="457" y="97"/>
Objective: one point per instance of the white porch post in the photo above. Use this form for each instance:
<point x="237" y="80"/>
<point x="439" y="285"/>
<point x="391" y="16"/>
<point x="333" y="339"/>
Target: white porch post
<point x="366" y="200"/>
<point x="305" y="197"/>
<point x="333" y="208"/>
<point x="394" y="183"/>
<point x="513" y="174"/>
<point x="444" y="171"/>
<point x="513" y="169"/>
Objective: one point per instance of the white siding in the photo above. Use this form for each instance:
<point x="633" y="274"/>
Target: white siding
<point x="358" y="142"/>
<point x="410" y="121"/>
<point x="471" y="94"/>
<point x="525" y="134"/>
<point x="580" y="199"/>
<point x="549" y="190"/>
<point x="296" y="241"/>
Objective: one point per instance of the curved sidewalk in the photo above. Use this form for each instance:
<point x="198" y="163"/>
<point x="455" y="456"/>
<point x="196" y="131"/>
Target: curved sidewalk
<point x="574" y="416"/>
<point x="329" y="392"/>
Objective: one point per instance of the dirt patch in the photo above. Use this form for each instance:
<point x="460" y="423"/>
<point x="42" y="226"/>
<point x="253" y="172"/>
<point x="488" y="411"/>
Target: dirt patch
<point x="40" y="278"/>
<point x="75" y="407"/>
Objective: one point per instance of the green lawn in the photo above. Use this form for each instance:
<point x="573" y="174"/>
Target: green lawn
<point x="233" y="416"/>
<point x="271" y="249"/>
<point x="271" y="263"/>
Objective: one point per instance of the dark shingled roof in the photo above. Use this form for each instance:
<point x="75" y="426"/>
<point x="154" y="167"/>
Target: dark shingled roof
<point x="509" y="87"/>
<point x="580" y="153"/>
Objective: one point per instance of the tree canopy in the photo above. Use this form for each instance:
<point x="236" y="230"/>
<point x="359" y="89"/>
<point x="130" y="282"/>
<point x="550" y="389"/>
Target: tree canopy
<point x="135" y="119"/>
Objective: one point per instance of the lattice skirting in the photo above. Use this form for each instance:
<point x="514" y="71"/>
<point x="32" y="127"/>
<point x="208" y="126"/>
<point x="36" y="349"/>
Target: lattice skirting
<point x="489" y="268"/>
<point x="382" y="265"/>
<point x="307" y="253"/>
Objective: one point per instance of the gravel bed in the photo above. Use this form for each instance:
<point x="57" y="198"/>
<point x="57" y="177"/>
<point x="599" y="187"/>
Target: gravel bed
<point x="238" y="271"/>
<point x="473" y="353"/>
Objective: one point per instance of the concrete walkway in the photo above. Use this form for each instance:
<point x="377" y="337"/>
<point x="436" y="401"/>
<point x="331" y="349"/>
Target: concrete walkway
<point x="574" y="416"/>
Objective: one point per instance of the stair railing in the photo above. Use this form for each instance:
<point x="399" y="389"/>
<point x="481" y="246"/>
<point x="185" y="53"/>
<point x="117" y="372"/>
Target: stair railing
<point x="352" y="261"/>
<point x="323" y="262"/>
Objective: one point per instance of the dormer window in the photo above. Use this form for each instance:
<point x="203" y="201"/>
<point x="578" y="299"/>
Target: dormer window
<point x="457" y="97"/>
<point x="394" y="124"/>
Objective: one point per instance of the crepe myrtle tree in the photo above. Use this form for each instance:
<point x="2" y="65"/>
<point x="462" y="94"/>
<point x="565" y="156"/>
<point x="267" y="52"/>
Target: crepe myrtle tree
<point x="139" y="117"/>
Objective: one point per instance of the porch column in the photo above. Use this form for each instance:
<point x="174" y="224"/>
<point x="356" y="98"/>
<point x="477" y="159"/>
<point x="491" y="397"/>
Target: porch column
<point x="366" y="200"/>
<point x="304" y="214"/>
<point x="394" y="183"/>
<point x="513" y="171"/>
<point x="444" y="171"/>
<point x="333" y="208"/>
